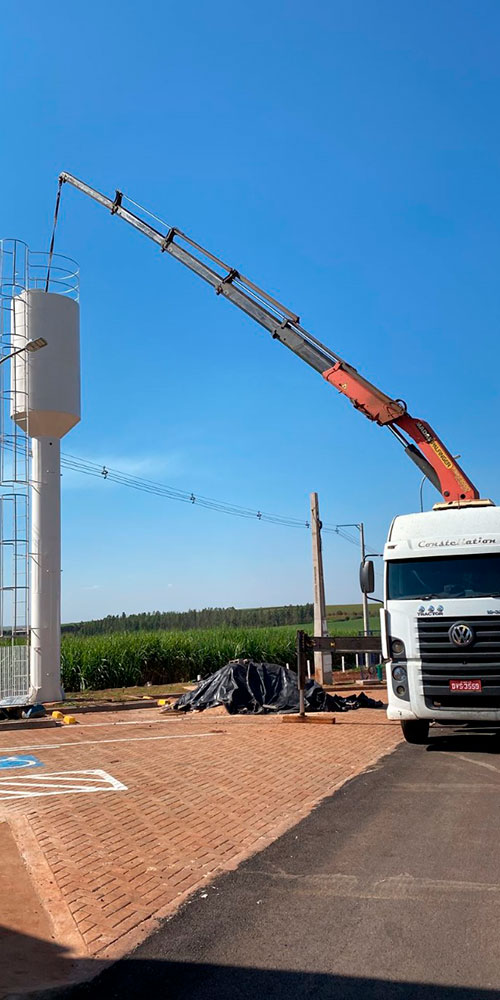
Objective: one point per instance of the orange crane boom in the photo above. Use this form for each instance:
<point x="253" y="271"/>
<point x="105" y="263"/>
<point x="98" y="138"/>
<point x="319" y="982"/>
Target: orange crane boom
<point x="428" y="452"/>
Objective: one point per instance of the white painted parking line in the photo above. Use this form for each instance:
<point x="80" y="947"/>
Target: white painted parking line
<point x="91" y="743"/>
<point x="127" y="722"/>
<point x="59" y="783"/>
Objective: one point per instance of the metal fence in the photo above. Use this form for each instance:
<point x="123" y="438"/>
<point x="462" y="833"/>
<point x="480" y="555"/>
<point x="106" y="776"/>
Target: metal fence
<point x="14" y="675"/>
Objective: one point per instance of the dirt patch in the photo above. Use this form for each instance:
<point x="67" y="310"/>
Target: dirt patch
<point x="29" y="953"/>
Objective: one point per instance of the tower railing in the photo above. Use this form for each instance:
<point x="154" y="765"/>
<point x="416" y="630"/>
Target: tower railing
<point x="20" y="271"/>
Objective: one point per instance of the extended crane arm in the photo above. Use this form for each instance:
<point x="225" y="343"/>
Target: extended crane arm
<point x="431" y="455"/>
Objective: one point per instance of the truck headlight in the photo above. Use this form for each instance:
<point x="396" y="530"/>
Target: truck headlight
<point x="397" y="647"/>
<point x="399" y="674"/>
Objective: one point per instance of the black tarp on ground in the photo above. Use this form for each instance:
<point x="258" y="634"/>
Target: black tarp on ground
<point x="243" y="686"/>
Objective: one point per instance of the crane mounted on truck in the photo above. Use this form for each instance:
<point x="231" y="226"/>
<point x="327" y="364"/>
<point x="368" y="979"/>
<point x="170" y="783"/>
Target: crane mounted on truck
<point x="428" y="452"/>
<point x="440" y="620"/>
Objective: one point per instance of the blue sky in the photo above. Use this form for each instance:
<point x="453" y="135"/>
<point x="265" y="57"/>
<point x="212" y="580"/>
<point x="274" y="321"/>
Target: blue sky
<point x="345" y="156"/>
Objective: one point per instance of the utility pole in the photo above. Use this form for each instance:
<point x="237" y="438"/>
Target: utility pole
<point x="322" y="661"/>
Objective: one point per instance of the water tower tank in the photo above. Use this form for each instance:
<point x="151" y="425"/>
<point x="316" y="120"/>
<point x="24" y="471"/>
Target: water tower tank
<point x="46" y="383"/>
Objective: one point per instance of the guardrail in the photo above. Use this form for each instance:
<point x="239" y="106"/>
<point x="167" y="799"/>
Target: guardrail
<point x="307" y="644"/>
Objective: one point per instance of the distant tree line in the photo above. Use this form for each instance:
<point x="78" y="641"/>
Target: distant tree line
<point x="290" y="614"/>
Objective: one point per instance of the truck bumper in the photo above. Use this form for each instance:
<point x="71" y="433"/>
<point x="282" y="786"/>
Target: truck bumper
<point x="419" y="710"/>
<point x="398" y="714"/>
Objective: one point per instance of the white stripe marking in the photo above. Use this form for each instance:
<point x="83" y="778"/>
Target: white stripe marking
<point x="91" y="743"/>
<point x="59" y="783"/>
<point x="478" y="763"/>
<point x="131" y="722"/>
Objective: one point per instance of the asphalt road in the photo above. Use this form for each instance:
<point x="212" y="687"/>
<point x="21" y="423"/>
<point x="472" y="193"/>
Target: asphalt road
<point x="389" y="889"/>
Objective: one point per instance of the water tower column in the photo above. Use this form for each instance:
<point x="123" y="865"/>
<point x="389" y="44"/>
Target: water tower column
<point x="46" y="404"/>
<point x="45" y="611"/>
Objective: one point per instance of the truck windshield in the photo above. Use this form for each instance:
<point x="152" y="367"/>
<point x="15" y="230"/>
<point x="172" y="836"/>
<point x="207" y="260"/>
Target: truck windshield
<point x="455" y="576"/>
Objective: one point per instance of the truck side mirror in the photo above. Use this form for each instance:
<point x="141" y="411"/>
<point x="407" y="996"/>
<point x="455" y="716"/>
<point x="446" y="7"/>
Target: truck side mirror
<point x="367" y="577"/>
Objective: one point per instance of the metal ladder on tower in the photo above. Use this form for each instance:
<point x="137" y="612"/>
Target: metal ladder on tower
<point x="14" y="493"/>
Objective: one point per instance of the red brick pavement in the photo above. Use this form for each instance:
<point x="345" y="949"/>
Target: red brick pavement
<point x="202" y="794"/>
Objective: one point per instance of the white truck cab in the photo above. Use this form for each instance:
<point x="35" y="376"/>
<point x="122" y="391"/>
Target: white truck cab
<point x="441" y="617"/>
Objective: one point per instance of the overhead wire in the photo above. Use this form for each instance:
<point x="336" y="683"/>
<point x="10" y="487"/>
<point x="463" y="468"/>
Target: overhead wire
<point x="98" y="471"/>
<point x="86" y="467"/>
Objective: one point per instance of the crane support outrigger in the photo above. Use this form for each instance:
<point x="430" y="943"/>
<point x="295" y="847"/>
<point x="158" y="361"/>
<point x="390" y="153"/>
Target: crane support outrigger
<point x="428" y="453"/>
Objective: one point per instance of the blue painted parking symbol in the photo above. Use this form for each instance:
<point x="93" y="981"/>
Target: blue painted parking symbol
<point x="24" y="761"/>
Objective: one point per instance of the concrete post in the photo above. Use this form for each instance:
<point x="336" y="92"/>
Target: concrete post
<point x="322" y="661"/>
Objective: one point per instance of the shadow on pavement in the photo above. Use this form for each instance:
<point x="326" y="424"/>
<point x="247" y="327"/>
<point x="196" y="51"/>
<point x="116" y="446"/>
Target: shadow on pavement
<point x="135" y="978"/>
<point x="467" y="740"/>
<point x="29" y="963"/>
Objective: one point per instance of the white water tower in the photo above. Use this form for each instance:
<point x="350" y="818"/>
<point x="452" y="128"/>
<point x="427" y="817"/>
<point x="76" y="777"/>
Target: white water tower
<point x="44" y="401"/>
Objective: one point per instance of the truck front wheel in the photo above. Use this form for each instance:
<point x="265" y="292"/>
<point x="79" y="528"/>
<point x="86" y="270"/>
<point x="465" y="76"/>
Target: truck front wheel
<point x="415" y="730"/>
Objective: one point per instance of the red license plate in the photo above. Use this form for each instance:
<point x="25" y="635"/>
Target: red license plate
<point x="465" y="686"/>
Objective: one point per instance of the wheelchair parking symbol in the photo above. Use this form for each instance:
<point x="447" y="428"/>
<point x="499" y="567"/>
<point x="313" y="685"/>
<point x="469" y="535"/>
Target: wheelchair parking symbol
<point x="25" y="761"/>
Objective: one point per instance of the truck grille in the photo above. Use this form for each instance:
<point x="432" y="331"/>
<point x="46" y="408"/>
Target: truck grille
<point x="442" y="661"/>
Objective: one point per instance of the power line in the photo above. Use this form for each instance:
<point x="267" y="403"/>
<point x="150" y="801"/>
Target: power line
<point x="161" y="489"/>
<point x="107" y="473"/>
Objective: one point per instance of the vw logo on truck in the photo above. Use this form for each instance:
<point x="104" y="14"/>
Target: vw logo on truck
<point x="461" y="634"/>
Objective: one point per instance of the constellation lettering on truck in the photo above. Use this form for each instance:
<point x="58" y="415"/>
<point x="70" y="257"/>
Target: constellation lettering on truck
<point x="445" y="542"/>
